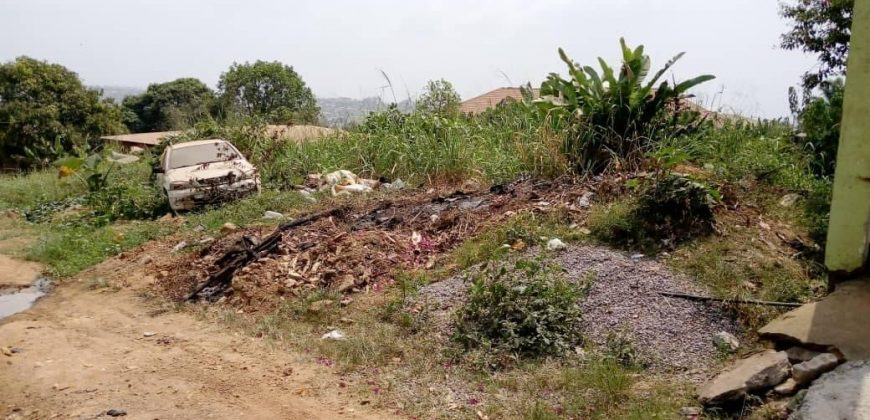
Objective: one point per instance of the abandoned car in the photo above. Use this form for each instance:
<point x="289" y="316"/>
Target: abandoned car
<point x="204" y="172"/>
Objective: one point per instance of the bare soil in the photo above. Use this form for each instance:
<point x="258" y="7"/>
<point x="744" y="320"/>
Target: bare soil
<point x="81" y="351"/>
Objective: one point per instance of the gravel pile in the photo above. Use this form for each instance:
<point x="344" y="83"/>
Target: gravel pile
<point x="667" y="333"/>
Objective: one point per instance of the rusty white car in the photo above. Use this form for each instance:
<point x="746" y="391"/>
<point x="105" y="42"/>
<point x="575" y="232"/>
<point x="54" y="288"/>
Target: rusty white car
<point x="204" y="172"/>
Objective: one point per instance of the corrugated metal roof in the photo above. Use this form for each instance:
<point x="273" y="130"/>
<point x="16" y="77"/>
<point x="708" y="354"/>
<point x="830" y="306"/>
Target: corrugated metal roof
<point x="298" y="133"/>
<point x="491" y="99"/>
<point x="146" y="139"/>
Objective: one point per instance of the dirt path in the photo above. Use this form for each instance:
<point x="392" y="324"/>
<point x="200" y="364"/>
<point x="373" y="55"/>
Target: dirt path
<point x="80" y="352"/>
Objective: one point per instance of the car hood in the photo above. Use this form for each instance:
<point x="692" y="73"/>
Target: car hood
<point x="210" y="170"/>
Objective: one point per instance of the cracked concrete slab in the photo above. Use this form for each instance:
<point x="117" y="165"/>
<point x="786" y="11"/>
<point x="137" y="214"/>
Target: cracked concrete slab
<point x="839" y="320"/>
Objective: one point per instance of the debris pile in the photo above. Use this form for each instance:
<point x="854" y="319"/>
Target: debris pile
<point x="353" y="248"/>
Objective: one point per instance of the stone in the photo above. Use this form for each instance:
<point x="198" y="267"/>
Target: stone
<point x="838" y="320"/>
<point x="146" y="259"/>
<point x="691" y="412"/>
<point x="207" y="240"/>
<point x="334" y="335"/>
<point x="807" y="371"/>
<point x="272" y="215"/>
<point x="789" y="200"/>
<point x="556" y="244"/>
<point x="229" y="227"/>
<point x="799" y="354"/>
<point x="758" y="372"/>
<point x="585" y="200"/>
<point x="116" y="413"/>
<point x="149" y="334"/>
<point x="839" y="394"/>
<point x="789" y="387"/>
<point x="179" y="246"/>
<point x="726" y="341"/>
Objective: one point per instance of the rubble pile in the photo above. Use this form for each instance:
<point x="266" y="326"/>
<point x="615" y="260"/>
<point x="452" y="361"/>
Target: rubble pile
<point x="361" y="246"/>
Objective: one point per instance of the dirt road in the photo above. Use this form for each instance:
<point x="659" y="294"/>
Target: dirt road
<point x="81" y="352"/>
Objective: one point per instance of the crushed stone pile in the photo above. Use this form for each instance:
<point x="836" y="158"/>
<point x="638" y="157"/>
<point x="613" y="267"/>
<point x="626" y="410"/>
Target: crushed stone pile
<point x="668" y="333"/>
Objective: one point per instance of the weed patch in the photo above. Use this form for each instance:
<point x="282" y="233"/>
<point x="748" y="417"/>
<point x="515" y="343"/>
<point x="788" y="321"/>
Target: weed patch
<point x="526" y="312"/>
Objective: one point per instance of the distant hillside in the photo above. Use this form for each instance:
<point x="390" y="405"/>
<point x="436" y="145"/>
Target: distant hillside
<point x="339" y="112"/>
<point x="118" y="93"/>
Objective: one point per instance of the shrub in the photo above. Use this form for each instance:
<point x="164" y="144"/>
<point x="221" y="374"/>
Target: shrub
<point x="613" y="117"/>
<point x="525" y="312"/>
<point x="676" y="208"/>
<point x="670" y="210"/>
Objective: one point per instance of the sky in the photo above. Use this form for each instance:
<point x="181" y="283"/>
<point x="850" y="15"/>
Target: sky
<point x="341" y="47"/>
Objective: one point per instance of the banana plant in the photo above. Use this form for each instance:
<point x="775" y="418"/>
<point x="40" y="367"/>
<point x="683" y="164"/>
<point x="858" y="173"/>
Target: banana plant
<point x="611" y="115"/>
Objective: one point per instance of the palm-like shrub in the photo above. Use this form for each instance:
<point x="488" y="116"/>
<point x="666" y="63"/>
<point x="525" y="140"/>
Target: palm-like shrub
<point x="613" y="116"/>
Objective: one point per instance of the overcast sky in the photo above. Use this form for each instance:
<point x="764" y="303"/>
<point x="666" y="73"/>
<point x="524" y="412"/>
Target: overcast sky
<point x="339" y="47"/>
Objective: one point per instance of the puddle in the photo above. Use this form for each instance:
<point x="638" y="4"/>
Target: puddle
<point x="15" y="302"/>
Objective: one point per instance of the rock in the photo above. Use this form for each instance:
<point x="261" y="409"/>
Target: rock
<point x="585" y="200"/>
<point x="116" y="413"/>
<point x="229" y="227"/>
<point x="307" y="196"/>
<point x="839" y="394"/>
<point x="146" y="259"/>
<point x="149" y="334"/>
<point x="207" y="240"/>
<point x="585" y="231"/>
<point x="789" y="387"/>
<point x="6" y="351"/>
<point x="396" y="185"/>
<point x="179" y="246"/>
<point x="789" y="200"/>
<point x="320" y="305"/>
<point x="334" y="335"/>
<point x="799" y="354"/>
<point x="725" y="340"/>
<point x="758" y="372"/>
<point x="272" y="215"/>
<point x="691" y="412"/>
<point x="556" y="244"/>
<point x="807" y="371"/>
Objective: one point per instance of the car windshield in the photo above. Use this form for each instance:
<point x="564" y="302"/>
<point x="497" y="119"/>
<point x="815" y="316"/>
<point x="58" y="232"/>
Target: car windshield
<point x="218" y="151"/>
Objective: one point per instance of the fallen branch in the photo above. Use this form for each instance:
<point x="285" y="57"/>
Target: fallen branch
<point x="251" y="250"/>
<point x="741" y="301"/>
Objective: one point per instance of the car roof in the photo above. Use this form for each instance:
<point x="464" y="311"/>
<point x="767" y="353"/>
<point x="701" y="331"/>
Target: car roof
<point x="195" y="143"/>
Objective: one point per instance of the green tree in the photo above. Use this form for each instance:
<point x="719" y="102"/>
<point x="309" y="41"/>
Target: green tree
<point x="822" y="28"/>
<point x="819" y="124"/>
<point x="46" y="112"/>
<point x="168" y="106"/>
<point x="439" y="98"/>
<point x="270" y="90"/>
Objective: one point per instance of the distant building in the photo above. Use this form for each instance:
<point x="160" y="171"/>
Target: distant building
<point x="142" y="140"/>
<point x="491" y="99"/>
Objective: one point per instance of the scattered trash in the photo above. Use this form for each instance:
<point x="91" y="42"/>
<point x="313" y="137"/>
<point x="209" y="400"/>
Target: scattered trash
<point x="585" y="231"/>
<point x="272" y="215"/>
<point x="116" y="413"/>
<point x="726" y="340"/>
<point x="636" y="257"/>
<point x="556" y="244"/>
<point x="396" y="185"/>
<point x="585" y="200"/>
<point x="334" y="335"/>
<point x="229" y="227"/>
<point x="179" y="246"/>
<point x="350" y="188"/>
